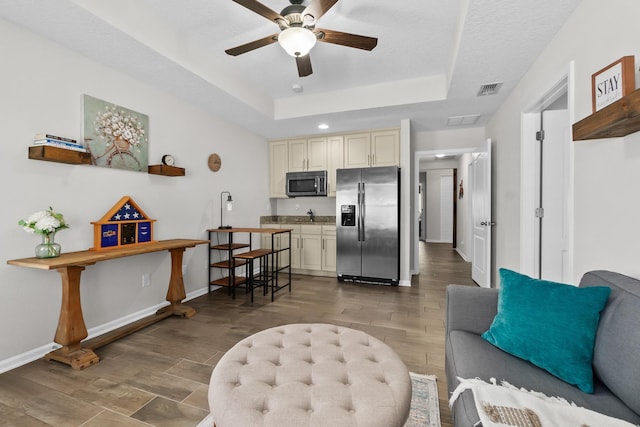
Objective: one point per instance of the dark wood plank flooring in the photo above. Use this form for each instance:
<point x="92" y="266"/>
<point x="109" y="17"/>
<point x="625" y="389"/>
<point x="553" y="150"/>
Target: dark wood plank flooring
<point x="159" y="375"/>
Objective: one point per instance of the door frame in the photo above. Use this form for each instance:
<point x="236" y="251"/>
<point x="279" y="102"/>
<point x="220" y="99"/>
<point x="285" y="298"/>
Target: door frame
<point x="418" y="155"/>
<point x="530" y="123"/>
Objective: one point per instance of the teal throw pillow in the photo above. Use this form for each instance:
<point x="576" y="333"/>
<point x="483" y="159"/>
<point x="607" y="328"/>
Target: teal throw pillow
<point x="552" y="325"/>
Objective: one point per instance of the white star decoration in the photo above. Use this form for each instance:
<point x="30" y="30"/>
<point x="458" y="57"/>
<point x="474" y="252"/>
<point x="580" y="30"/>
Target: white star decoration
<point x="126" y="216"/>
<point x="136" y="215"/>
<point x="127" y="206"/>
<point x="118" y="217"/>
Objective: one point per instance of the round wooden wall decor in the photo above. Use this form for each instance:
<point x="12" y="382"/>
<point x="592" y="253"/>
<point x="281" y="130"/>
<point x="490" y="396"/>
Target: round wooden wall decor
<point x="214" y="162"/>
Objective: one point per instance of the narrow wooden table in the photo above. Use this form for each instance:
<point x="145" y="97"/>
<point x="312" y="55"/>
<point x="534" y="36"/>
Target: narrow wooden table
<point x="71" y="327"/>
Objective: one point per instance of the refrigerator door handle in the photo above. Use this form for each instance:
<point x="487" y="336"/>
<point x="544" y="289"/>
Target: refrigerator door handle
<point x="363" y="213"/>
<point x="358" y="210"/>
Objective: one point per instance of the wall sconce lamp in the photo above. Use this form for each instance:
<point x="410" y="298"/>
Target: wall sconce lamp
<point x="229" y="204"/>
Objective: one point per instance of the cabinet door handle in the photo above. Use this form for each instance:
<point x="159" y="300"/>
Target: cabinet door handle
<point x="369" y="159"/>
<point x="374" y="160"/>
<point x="301" y="244"/>
<point x="323" y="244"/>
<point x="302" y="164"/>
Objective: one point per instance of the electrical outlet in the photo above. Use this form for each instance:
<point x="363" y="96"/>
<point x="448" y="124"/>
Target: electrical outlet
<point x="146" y="280"/>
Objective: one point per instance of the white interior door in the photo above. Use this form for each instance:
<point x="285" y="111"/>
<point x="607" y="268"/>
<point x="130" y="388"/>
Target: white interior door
<point x="553" y="233"/>
<point x="446" y="208"/>
<point x="481" y="216"/>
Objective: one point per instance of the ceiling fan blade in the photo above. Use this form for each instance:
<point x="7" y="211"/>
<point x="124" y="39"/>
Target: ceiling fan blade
<point x="304" y="65"/>
<point x="346" y="39"/>
<point x="260" y="9"/>
<point x="317" y="8"/>
<point x="235" y="51"/>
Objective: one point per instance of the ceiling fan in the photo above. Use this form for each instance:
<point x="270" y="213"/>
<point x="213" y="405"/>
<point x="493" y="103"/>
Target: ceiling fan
<point x="298" y="32"/>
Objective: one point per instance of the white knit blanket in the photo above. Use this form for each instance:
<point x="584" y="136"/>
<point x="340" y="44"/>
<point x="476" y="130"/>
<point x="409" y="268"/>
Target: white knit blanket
<point x="505" y="405"/>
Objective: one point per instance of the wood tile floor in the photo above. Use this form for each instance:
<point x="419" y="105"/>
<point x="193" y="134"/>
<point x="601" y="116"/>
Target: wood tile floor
<point x="159" y="375"/>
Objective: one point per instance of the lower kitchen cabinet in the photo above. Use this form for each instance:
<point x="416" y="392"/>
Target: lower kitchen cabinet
<point x="329" y="248"/>
<point x="313" y="248"/>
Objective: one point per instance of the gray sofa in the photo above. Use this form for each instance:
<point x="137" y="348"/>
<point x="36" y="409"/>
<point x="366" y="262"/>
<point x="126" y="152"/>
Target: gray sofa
<point x="616" y="361"/>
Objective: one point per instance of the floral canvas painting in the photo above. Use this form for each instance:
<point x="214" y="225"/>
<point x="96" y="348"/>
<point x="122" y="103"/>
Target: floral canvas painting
<point x="116" y="137"/>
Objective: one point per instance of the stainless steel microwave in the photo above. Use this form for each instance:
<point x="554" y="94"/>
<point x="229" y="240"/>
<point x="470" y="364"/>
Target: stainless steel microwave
<point x="312" y="183"/>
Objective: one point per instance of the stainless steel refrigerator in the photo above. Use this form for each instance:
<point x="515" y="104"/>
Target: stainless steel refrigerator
<point x="368" y="224"/>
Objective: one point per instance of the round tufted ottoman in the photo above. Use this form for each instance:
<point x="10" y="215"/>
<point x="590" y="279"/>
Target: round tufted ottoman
<point x="310" y="375"/>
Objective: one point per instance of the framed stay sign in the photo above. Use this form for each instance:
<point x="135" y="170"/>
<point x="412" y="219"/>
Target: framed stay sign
<point x="613" y="82"/>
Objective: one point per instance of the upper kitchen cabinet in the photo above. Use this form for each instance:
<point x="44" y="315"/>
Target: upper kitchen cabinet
<point x="385" y="148"/>
<point x="278" y="168"/>
<point x="308" y="154"/>
<point x="381" y="148"/>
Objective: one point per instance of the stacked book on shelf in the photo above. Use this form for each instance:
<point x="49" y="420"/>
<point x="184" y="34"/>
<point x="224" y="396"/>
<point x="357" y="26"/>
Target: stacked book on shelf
<point x="58" y="141"/>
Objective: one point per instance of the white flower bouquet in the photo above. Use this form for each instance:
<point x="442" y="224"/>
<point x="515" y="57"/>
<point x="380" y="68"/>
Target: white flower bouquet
<point x="44" y="222"/>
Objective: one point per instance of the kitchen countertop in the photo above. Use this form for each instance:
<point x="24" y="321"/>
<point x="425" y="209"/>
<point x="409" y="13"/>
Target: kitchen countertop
<point x="301" y="219"/>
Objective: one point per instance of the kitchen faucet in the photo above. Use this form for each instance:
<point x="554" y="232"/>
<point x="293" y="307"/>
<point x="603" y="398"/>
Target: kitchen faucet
<point x="310" y="213"/>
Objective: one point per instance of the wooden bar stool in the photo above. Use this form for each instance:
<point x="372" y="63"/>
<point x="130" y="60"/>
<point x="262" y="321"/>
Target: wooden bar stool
<point x="262" y="279"/>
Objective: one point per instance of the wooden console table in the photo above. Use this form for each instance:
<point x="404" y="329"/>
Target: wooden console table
<point x="71" y="327"/>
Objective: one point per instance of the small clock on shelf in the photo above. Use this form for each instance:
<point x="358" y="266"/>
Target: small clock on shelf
<point x="167" y="168"/>
<point x="168" y="160"/>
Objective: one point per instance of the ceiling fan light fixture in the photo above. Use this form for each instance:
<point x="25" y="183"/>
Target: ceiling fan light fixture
<point x="297" y="41"/>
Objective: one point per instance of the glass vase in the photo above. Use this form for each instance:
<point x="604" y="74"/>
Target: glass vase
<point x="48" y="248"/>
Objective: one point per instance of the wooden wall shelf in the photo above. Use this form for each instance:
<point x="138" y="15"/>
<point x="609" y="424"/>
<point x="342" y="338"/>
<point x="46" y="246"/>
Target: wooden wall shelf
<point x="165" y="170"/>
<point x="60" y="155"/>
<point x="614" y="121"/>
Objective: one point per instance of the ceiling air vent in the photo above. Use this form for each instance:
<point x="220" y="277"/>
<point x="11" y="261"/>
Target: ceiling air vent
<point x="490" y="89"/>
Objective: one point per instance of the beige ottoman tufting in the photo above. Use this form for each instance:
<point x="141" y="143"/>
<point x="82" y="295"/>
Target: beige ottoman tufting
<point x="310" y="375"/>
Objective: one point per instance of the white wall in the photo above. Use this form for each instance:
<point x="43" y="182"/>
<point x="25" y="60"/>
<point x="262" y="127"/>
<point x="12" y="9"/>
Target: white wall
<point x="606" y="172"/>
<point x="298" y="206"/>
<point x="42" y="84"/>
<point x="449" y="139"/>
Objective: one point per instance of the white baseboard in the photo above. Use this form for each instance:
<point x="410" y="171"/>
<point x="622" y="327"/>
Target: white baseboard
<point x="463" y="255"/>
<point x="36" y="353"/>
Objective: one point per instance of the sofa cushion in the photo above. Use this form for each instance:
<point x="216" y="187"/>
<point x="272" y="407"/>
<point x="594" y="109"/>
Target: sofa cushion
<point x="550" y="324"/>
<point x="617" y="349"/>
<point x="470" y="356"/>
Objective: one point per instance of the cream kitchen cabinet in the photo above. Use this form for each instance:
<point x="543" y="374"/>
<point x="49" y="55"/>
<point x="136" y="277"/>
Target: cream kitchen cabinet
<point x="311" y="247"/>
<point x="295" y="249"/>
<point x="329" y="248"/>
<point x="380" y="148"/>
<point x="308" y="154"/>
<point x="278" y="168"/>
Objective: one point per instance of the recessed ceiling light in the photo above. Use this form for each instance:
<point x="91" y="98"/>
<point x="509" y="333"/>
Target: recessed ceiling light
<point x="297" y="88"/>
<point x="323" y="126"/>
<point x="440" y="156"/>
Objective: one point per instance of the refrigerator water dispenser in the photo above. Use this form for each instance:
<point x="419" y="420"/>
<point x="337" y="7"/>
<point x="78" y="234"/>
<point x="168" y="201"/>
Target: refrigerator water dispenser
<point x="348" y="218"/>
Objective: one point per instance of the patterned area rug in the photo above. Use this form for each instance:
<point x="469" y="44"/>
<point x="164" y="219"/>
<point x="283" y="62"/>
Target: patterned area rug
<point x="425" y="411"/>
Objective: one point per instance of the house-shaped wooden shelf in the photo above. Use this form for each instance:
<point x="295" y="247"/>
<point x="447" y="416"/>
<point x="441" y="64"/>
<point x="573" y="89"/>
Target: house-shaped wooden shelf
<point x="124" y="225"/>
